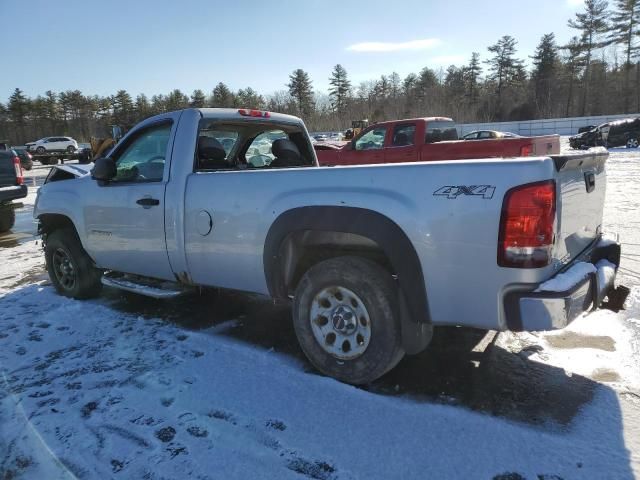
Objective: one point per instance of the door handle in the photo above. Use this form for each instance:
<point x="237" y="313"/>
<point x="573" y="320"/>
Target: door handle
<point x="590" y="181"/>
<point x="148" y="202"/>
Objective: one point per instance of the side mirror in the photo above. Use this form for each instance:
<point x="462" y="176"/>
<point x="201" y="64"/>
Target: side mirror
<point x="104" y="170"/>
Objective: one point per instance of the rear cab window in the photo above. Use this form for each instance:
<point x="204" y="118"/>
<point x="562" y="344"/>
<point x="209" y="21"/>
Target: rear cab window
<point x="229" y="145"/>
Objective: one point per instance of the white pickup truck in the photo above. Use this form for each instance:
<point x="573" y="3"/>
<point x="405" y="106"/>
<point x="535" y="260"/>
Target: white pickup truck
<point x="372" y="256"/>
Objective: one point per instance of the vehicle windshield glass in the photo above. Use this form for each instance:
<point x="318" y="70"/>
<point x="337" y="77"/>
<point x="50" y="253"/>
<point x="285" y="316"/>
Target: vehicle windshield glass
<point x="439" y="131"/>
<point x="372" y="140"/>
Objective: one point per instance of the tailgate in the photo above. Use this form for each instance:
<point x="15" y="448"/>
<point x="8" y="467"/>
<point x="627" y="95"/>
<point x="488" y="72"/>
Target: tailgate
<point x="7" y="170"/>
<point x="581" y="186"/>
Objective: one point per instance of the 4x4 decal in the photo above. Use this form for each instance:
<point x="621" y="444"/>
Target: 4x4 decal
<point x="454" y="191"/>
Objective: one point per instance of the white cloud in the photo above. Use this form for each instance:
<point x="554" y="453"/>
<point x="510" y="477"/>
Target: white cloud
<point x="423" y="44"/>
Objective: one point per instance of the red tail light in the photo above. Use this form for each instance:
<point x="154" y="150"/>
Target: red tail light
<point x="526" y="150"/>
<point x="253" y="113"/>
<point x="18" y="167"/>
<point x="527" y="225"/>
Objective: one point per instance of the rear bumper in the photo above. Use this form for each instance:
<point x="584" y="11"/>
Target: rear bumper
<point x="12" y="193"/>
<point x="556" y="303"/>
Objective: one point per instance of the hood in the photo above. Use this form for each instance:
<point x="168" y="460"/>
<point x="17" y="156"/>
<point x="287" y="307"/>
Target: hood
<point x="579" y="135"/>
<point x="77" y="170"/>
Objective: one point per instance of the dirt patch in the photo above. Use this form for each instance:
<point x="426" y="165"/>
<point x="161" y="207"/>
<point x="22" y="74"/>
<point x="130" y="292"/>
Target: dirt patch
<point x="577" y="340"/>
<point x="605" y="375"/>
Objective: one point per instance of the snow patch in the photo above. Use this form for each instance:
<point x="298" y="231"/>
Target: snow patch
<point x="566" y="280"/>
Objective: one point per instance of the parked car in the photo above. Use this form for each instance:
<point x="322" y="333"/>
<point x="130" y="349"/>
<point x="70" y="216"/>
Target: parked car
<point x="26" y="160"/>
<point x="488" y="134"/>
<point x="372" y="257"/>
<point x="53" y="144"/>
<point x="590" y="138"/>
<point x="12" y="187"/>
<point x="620" y="133"/>
<point x="427" y="139"/>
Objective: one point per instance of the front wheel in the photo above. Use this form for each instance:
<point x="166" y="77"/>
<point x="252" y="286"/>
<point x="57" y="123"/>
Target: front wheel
<point x="40" y="150"/>
<point x="7" y="219"/>
<point x="632" y="143"/>
<point x="70" y="269"/>
<point x="345" y="316"/>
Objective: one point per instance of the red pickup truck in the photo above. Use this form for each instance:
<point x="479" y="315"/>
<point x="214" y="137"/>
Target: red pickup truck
<point x="427" y="139"/>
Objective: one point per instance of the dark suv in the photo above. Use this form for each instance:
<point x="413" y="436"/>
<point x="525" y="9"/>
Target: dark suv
<point x="613" y="134"/>
<point x="624" y="133"/>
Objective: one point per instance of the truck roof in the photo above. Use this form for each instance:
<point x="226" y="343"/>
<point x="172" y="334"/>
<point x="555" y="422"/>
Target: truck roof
<point x="421" y="119"/>
<point x="234" y="114"/>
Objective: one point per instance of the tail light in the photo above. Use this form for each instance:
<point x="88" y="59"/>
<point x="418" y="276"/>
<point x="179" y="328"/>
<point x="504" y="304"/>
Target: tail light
<point x="18" y="168"/>
<point x="526" y="150"/>
<point x="527" y="225"/>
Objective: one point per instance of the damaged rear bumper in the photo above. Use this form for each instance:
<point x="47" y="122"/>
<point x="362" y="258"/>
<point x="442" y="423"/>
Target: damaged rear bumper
<point x="557" y="302"/>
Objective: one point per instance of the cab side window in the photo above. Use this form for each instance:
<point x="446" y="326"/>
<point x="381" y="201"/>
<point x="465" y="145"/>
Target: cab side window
<point x="372" y="140"/>
<point x="142" y="158"/>
<point x="403" y="135"/>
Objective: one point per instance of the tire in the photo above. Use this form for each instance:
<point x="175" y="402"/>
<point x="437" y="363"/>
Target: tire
<point x="71" y="149"/>
<point x="70" y="269"/>
<point x="7" y="219"/>
<point x="632" y="143"/>
<point x="373" y="344"/>
<point x="40" y="150"/>
<point x="28" y="166"/>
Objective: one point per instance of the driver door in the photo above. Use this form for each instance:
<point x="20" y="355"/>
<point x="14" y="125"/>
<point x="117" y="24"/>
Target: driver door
<point x="124" y="219"/>
<point x="367" y="148"/>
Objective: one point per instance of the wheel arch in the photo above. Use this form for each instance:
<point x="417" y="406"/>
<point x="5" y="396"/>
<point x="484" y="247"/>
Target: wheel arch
<point x="365" y="231"/>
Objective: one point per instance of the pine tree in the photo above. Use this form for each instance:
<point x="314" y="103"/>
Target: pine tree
<point x="143" y="107"/>
<point x="574" y="62"/>
<point x="471" y="74"/>
<point x="249" y="98"/>
<point x="123" y="109"/>
<point x="624" y="31"/>
<point x="301" y="90"/>
<point x="176" y="100"/>
<point x="18" y="107"/>
<point x="504" y="67"/>
<point x="340" y="88"/>
<point x="198" y="99"/>
<point x="592" y="24"/>
<point x="222" y="97"/>
<point x="544" y="74"/>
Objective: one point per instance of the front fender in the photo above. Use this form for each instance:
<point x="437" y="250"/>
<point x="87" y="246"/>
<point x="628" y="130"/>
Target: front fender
<point x="52" y="199"/>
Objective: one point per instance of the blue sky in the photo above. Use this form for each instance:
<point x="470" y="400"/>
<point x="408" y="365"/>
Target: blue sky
<point x="152" y="47"/>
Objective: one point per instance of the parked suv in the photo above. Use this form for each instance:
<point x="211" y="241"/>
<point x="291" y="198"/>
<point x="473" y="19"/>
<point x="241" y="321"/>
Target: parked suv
<point x="53" y="144"/>
<point x="623" y="133"/>
<point x="613" y="134"/>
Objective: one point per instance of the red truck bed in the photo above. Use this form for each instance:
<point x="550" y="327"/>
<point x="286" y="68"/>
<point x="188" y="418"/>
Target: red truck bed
<point x="427" y="139"/>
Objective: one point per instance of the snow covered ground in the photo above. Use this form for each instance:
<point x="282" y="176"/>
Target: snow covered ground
<point x="216" y="387"/>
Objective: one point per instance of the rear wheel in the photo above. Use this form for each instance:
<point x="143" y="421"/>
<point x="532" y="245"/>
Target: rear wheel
<point x="345" y="317"/>
<point x="7" y="219"/>
<point x="632" y="143"/>
<point x="71" y="149"/>
<point x="70" y="269"/>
